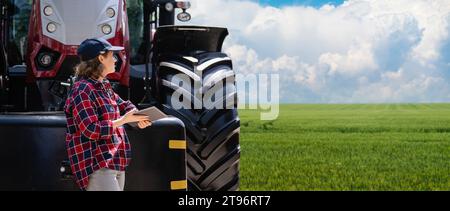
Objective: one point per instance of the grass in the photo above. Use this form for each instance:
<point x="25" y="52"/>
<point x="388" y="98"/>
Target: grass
<point x="347" y="147"/>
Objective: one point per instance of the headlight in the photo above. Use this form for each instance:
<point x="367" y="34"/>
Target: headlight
<point x="110" y="12"/>
<point x="48" y="10"/>
<point x="106" y="29"/>
<point x="169" y="7"/>
<point x="51" y="27"/>
<point x="184" y="5"/>
<point x="45" y="59"/>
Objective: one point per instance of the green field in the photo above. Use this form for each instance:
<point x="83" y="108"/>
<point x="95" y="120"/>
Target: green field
<point x="347" y="147"/>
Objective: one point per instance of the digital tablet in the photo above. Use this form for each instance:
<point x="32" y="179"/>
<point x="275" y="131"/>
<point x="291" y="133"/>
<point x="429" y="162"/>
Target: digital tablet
<point x="152" y="112"/>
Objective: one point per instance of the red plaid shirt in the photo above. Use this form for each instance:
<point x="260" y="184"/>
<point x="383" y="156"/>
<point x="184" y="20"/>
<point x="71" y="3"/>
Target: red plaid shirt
<point x="91" y="141"/>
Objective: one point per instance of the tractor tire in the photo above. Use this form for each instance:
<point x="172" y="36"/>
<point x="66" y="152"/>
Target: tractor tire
<point x="3" y="74"/>
<point x="213" y="150"/>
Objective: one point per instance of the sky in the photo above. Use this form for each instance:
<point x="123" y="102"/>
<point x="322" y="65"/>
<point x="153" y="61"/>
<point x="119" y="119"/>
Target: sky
<point x="356" y="51"/>
<point x="313" y="3"/>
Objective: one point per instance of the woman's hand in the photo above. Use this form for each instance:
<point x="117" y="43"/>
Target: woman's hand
<point x="144" y="124"/>
<point x="130" y="117"/>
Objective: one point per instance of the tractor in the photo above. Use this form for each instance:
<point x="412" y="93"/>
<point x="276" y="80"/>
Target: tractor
<point x="180" y="69"/>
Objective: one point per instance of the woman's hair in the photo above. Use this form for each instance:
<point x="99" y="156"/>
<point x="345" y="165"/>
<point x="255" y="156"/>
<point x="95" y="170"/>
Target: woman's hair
<point x="90" y="69"/>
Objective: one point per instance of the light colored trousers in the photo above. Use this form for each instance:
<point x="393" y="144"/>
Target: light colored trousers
<point x="106" y="180"/>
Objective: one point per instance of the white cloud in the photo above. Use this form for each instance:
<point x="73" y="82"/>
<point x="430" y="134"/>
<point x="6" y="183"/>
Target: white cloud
<point x="360" y="51"/>
<point x="356" y="61"/>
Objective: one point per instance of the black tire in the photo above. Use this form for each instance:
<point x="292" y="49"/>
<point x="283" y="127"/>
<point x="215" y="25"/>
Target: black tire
<point x="213" y="150"/>
<point x="3" y="75"/>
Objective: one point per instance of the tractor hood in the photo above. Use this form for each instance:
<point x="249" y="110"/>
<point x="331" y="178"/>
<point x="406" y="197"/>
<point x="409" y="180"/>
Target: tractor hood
<point x="184" y="39"/>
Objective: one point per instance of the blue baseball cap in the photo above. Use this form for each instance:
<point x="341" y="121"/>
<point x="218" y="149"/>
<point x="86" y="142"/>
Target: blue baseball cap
<point x="91" y="48"/>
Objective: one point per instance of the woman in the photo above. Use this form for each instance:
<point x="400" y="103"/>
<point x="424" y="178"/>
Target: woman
<point x="97" y="145"/>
